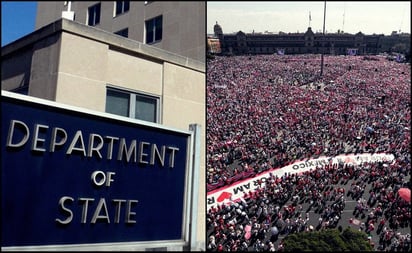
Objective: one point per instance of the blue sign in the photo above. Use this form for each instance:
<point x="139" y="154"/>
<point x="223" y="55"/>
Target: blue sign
<point x="71" y="177"/>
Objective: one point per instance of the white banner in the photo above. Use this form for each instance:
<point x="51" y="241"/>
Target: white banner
<point x="234" y="192"/>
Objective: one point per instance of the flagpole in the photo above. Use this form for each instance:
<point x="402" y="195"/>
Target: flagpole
<point x="323" y="40"/>
<point x="310" y="19"/>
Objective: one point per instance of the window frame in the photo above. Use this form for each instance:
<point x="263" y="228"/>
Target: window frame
<point x="153" y="23"/>
<point x="123" y="10"/>
<point x="133" y="95"/>
<point x="123" y="32"/>
<point x="94" y="16"/>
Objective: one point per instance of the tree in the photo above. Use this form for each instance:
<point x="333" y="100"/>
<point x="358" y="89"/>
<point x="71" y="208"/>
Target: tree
<point x="328" y="240"/>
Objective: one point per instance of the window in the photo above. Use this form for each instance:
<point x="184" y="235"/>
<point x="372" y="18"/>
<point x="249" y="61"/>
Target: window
<point x="22" y="90"/>
<point x="94" y="15"/>
<point x="123" y="32"/>
<point x="117" y="102"/>
<point x="133" y="105"/>
<point x="154" y="29"/>
<point x="121" y="7"/>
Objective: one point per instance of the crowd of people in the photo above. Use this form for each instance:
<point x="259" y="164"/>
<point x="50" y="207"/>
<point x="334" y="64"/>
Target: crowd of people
<point x="261" y="112"/>
<point x="278" y="206"/>
<point x="267" y="111"/>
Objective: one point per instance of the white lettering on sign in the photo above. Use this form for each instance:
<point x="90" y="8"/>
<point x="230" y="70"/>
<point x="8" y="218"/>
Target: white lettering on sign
<point x="100" y="212"/>
<point x="134" y="151"/>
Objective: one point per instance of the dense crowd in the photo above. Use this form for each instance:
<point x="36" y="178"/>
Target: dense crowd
<point x="268" y="111"/>
<point x="278" y="206"/>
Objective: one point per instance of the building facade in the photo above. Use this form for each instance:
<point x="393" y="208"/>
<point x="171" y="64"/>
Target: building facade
<point x="174" y="26"/>
<point x="79" y="65"/>
<point x="397" y="43"/>
<point x="298" y="43"/>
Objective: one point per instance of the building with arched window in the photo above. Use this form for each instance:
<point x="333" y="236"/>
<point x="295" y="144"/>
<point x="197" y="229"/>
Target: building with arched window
<point x="308" y="42"/>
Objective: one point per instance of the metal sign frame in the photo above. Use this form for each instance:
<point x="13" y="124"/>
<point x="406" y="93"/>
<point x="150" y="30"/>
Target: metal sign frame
<point x="189" y="215"/>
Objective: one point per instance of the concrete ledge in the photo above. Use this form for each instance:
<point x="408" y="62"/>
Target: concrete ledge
<point x="93" y="33"/>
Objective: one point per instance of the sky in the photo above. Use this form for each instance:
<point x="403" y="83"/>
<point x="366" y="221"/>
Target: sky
<point x="293" y="16"/>
<point x="17" y="20"/>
